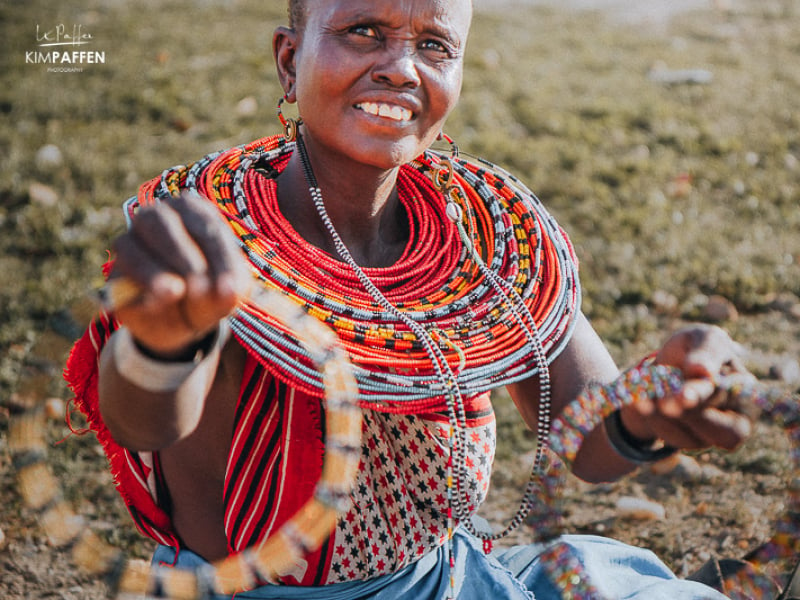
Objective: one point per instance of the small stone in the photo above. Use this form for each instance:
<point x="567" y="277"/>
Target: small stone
<point x="679" y="466"/>
<point x="791" y="162"/>
<point x="247" y="107"/>
<point x="49" y="157"/>
<point x="42" y="194"/>
<point x="640" y="509"/>
<point x="787" y="369"/>
<point x="3" y="540"/>
<point x="55" y="408"/>
<point x="659" y="74"/>
<point x="666" y="465"/>
<point x="180" y="124"/>
<point x="688" y="468"/>
<point x="664" y="302"/>
<point x="719" y="309"/>
<point x="711" y="473"/>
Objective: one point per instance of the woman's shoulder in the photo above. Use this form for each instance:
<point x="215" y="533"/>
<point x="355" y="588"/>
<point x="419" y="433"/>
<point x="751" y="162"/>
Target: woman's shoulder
<point x="267" y="154"/>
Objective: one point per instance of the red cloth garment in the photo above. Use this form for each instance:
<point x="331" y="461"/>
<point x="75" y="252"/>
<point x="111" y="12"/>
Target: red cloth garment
<point x="276" y="459"/>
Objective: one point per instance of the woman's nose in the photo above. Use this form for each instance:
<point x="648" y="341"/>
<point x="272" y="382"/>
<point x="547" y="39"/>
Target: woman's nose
<point x="398" y="66"/>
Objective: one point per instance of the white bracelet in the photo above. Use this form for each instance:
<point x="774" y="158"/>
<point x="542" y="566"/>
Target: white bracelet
<point x="155" y="375"/>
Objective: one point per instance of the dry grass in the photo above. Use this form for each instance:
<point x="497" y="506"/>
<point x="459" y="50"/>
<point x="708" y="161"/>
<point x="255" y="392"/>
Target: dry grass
<point x="668" y="191"/>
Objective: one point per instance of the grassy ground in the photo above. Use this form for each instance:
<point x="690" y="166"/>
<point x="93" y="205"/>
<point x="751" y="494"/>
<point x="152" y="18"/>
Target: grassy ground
<point x="671" y="194"/>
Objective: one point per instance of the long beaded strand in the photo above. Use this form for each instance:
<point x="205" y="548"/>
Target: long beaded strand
<point x="457" y="415"/>
<point x="445" y="178"/>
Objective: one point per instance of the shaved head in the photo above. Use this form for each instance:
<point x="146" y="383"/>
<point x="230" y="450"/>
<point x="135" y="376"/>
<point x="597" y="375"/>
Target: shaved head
<point x="297" y="13"/>
<point x="297" y="10"/>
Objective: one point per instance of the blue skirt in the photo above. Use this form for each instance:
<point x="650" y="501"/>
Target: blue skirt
<point x="617" y="571"/>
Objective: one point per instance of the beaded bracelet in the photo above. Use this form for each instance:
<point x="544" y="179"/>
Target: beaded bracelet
<point x="630" y="448"/>
<point x="156" y="375"/>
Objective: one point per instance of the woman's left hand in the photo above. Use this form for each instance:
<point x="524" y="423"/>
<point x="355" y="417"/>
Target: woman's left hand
<point x="701" y="415"/>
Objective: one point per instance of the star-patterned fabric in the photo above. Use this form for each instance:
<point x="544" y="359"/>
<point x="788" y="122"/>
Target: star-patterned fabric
<point x="400" y="497"/>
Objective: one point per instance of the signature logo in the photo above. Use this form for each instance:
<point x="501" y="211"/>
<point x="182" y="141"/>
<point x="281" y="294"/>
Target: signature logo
<point x="61" y="36"/>
<point x="63" y="49"/>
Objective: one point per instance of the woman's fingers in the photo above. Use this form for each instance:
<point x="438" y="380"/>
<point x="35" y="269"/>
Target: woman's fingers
<point x="225" y="268"/>
<point x="700" y="428"/>
<point x="189" y="267"/>
<point x="136" y="264"/>
<point x="693" y="393"/>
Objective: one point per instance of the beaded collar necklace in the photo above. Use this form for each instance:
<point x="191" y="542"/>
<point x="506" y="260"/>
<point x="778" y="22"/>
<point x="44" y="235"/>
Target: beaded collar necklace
<point x="443" y="287"/>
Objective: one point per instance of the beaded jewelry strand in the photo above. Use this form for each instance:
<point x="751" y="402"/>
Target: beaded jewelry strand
<point x="595" y="404"/>
<point x="444" y="178"/>
<point x="456" y="412"/>
<point x="305" y="531"/>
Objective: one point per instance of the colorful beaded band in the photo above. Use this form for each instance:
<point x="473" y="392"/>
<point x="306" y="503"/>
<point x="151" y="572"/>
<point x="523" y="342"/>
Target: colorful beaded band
<point x="304" y="532"/>
<point x="754" y="580"/>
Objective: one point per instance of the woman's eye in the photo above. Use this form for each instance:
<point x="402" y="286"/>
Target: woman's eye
<point x="364" y="30"/>
<point x="435" y="46"/>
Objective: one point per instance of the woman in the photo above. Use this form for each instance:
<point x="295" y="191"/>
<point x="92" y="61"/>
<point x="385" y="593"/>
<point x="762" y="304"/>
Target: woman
<point x="440" y="290"/>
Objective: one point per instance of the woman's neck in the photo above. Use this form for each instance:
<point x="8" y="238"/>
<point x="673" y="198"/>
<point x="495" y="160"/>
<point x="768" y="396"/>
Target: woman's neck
<point x="363" y="206"/>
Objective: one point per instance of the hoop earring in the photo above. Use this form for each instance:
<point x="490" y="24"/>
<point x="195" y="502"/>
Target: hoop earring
<point x="443" y="174"/>
<point x="290" y="126"/>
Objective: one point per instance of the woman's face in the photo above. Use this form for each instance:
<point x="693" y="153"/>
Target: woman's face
<point x="375" y="79"/>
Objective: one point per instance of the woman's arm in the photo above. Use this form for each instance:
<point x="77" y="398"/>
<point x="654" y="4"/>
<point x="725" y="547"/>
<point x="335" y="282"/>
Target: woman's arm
<point x="584" y="361"/>
<point x="686" y="420"/>
<point x="188" y="274"/>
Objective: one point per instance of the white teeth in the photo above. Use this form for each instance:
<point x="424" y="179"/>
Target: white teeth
<point x="399" y="114"/>
<point x="396" y="113"/>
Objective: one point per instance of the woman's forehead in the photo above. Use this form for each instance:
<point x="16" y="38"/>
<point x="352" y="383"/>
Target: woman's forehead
<point x="456" y="14"/>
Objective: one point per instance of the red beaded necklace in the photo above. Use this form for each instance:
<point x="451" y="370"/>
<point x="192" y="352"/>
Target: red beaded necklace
<point x="437" y="282"/>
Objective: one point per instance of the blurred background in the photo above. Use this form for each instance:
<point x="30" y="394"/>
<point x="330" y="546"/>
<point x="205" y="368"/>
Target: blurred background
<point x="664" y="136"/>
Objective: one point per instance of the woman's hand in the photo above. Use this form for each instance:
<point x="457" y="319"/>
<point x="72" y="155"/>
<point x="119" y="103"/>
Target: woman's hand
<point x="191" y="273"/>
<point x="701" y="415"/>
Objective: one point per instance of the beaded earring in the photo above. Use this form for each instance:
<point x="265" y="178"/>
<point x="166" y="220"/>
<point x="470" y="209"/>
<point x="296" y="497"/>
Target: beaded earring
<point x="290" y="126"/>
<point x="443" y="176"/>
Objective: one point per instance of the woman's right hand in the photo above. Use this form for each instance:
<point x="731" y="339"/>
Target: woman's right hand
<point x="189" y="270"/>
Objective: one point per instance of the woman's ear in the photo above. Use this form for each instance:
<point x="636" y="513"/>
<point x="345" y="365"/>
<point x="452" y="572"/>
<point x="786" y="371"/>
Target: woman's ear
<point x="284" y="48"/>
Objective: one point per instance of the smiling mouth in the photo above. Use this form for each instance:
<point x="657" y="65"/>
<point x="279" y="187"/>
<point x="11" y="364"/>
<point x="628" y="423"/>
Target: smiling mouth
<point x="389" y="111"/>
